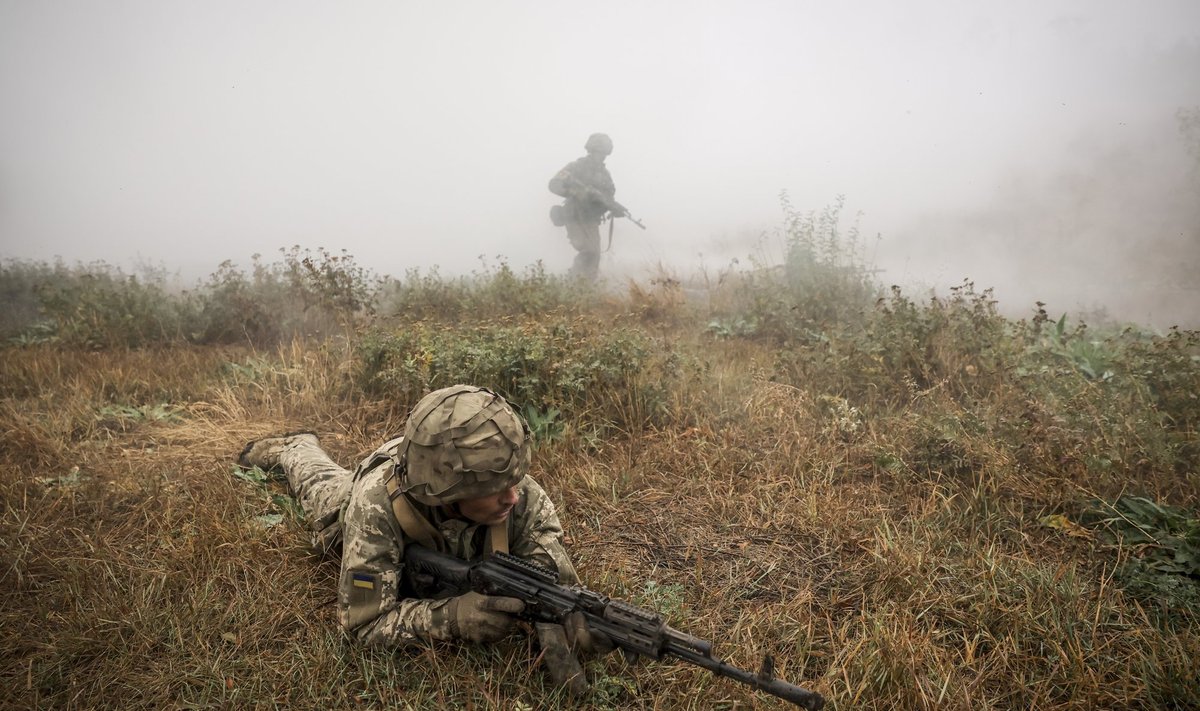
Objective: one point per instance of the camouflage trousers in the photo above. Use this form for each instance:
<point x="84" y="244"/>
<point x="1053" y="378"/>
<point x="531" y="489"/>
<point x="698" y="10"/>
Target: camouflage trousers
<point x="585" y="238"/>
<point x="322" y="488"/>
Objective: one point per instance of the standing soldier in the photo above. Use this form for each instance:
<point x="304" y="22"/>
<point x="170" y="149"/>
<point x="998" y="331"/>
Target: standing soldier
<point x="589" y="190"/>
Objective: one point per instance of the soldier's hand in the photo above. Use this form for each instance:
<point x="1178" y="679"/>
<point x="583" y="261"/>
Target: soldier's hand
<point x="584" y="639"/>
<point x="561" y="662"/>
<point x="483" y="618"/>
<point x="618" y="210"/>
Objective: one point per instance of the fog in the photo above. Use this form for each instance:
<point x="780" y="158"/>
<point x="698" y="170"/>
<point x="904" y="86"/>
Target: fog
<point x="1048" y="149"/>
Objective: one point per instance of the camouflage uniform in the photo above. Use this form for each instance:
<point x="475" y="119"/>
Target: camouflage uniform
<point x="456" y="482"/>
<point x="375" y="601"/>
<point x="589" y="191"/>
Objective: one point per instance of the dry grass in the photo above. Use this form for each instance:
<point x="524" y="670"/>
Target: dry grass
<point x="135" y="575"/>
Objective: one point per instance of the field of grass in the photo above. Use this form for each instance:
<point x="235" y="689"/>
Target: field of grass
<point x="909" y="503"/>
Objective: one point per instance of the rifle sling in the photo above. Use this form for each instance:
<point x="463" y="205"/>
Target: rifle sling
<point x="496" y="540"/>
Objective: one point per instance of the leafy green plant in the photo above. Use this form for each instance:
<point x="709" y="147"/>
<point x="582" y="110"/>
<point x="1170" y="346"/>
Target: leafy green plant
<point x="545" y="425"/>
<point x="251" y="370"/>
<point x="1164" y="541"/>
<point x="1166" y="538"/>
<point x="664" y="598"/>
<point x="36" y="333"/>
<point x="279" y="506"/>
<point x="70" y="479"/>
<point x="153" y="413"/>
<point x="306" y="292"/>
<point x="732" y="327"/>
<point x="254" y="475"/>
<point x="1093" y="358"/>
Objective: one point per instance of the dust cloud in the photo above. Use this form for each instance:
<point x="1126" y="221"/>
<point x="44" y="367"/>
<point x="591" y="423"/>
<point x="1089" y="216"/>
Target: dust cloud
<point x="1111" y="232"/>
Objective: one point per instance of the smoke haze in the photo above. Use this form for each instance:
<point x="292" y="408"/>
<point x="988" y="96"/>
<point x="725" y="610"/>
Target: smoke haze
<point x="1048" y="149"/>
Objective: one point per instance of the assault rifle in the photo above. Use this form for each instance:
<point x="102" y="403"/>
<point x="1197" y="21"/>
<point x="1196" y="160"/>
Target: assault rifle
<point x="632" y="629"/>
<point x="617" y="207"/>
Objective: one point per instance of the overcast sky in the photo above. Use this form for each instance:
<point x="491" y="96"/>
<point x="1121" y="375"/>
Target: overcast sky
<point x="1032" y="146"/>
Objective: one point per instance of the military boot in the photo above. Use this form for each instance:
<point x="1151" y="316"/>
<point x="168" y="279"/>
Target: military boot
<point x="264" y="453"/>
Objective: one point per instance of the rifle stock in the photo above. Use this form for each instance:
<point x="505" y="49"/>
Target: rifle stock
<point x="631" y="628"/>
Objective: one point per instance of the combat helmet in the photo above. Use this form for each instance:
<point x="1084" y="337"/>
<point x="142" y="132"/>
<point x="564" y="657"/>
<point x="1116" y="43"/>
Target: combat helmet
<point x="462" y="442"/>
<point x="599" y="143"/>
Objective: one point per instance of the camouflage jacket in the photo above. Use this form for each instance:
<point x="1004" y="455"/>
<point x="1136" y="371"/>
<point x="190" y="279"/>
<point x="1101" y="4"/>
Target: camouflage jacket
<point x="375" y="601"/>
<point x="588" y="188"/>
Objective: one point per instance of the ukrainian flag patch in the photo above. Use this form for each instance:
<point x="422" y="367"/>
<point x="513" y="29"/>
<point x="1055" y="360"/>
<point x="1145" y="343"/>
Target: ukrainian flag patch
<point x="366" y="581"/>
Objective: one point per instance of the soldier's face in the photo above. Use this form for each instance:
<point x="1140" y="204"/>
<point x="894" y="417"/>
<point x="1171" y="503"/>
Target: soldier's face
<point x="489" y="510"/>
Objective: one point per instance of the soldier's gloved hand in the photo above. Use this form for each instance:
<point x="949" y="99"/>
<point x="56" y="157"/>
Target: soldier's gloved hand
<point x="584" y="639"/>
<point x="482" y="618"/>
<point x="618" y="210"/>
<point x="561" y="662"/>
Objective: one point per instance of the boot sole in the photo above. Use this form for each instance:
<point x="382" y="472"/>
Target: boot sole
<point x="241" y="460"/>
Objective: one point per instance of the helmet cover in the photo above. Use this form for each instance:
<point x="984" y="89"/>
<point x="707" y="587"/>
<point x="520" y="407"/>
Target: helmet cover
<point x="462" y="442"/>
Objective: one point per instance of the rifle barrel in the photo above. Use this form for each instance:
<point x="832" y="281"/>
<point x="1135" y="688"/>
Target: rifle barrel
<point x="800" y="696"/>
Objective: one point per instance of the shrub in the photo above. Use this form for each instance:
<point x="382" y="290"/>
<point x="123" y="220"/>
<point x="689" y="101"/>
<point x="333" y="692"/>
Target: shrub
<point x="306" y="293"/>
<point x="333" y="284"/>
<point x="824" y="280"/>
<point x="99" y="306"/>
<point x="233" y="308"/>
<point x="591" y="374"/>
<point x="1123" y="403"/>
<point x="1169" y="368"/>
<point x="960" y="343"/>
<point x="22" y="314"/>
<point x="491" y="293"/>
